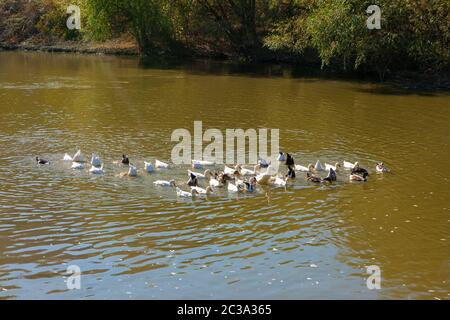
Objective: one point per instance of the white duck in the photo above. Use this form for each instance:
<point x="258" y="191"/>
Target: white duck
<point x="335" y="167"/>
<point x="96" y="170"/>
<point x="318" y="166"/>
<point x="132" y="171"/>
<point x="264" y="178"/>
<point x="281" y="156"/>
<point x="213" y="182"/>
<point x="78" y="157"/>
<point x="199" y="190"/>
<point x="199" y="175"/>
<point x="148" y="167"/>
<point x="186" y="194"/>
<point x="349" y="165"/>
<point x="228" y="170"/>
<point x="161" y="165"/>
<point x="248" y="172"/>
<point x="301" y="168"/>
<point x="280" y="182"/>
<point x="198" y="164"/>
<point x="96" y="161"/>
<point x="232" y="188"/>
<point x="67" y="157"/>
<point x="165" y="183"/>
<point x="77" y="165"/>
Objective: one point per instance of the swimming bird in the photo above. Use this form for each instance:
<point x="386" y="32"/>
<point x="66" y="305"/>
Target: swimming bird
<point x="309" y="168"/>
<point x="289" y="160"/>
<point x="125" y="160"/>
<point x="349" y="165"/>
<point x="186" y="194"/>
<point x="331" y="176"/>
<point x="165" y="183"/>
<point x="199" y="175"/>
<point x="193" y="181"/>
<point x="359" y="170"/>
<point x="335" y="167"/>
<point x="247" y="172"/>
<point x="281" y="157"/>
<point x="264" y="177"/>
<point x="312" y="178"/>
<point x="77" y="165"/>
<point x="228" y="170"/>
<point x="358" y="177"/>
<point x="42" y="161"/>
<point x="232" y="187"/>
<point x="291" y="173"/>
<point x="381" y="168"/>
<point x="161" y="165"/>
<point x="96" y="161"/>
<point x="132" y="172"/>
<point x="280" y="182"/>
<point x="215" y="183"/>
<point x="198" y="164"/>
<point x="318" y="166"/>
<point x="208" y="190"/>
<point x="262" y="163"/>
<point x="78" y="157"/>
<point x="67" y="157"/>
<point x="96" y="170"/>
<point x="148" y="167"/>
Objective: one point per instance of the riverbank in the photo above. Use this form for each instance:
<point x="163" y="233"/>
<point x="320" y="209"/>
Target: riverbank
<point x="124" y="45"/>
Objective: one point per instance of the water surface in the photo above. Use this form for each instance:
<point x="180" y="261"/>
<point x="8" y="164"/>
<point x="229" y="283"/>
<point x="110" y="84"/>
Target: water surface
<point x="132" y="240"/>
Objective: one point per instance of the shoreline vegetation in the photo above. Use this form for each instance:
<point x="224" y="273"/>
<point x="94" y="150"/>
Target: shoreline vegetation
<point x="411" y="50"/>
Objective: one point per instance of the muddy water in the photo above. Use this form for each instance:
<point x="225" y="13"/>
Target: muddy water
<point x="132" y="240"/>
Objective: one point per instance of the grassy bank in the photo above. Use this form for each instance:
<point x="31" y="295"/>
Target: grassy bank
<point x="413" y="42"/>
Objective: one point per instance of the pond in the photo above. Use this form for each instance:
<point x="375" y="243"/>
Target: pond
<point x="133" y="240"/>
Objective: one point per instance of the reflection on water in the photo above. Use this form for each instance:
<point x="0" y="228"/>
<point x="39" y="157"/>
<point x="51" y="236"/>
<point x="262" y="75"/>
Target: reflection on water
<point x="133" y="240"/>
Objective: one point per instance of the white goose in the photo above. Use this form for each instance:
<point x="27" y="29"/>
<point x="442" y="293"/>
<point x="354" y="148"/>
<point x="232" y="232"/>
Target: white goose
<point x="199" y="190"/>
<point x="264" y="178"/>
<point x="96" y="170"/>
<point x="248" y="172"/>
<point x="186" y="194"/>
<point x="77" y="165"/>
<point x="132" y="171"/>
<point x="349" y="165"/>
<point x="165" y="183"/>
<point x="318" y="166"/>
<point x="78" y="157"/>
<point x="335" y="167"/>
<point x="161" y="165"/>
<point x="199" y="175"/>
<point x="148" y="167"/>
<point x="198" y="164"/>
<point x="214" y="183"/>
<point x="228" y="170"/>
<point x="279" y="182"/>
<point x="96" y="161"/>
<point x="232" y="188"/>
<point x="67" y="157"/>
<point x="301" y="168"/>
<point x="281" y="156"/>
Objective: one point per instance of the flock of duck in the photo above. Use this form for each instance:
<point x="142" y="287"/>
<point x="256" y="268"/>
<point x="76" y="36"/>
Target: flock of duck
<point x="237" y="179"/>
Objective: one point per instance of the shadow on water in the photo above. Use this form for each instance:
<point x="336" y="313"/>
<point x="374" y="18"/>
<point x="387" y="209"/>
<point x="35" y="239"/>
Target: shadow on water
<point x="308" y="73"/>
